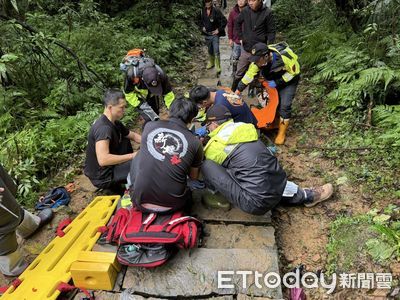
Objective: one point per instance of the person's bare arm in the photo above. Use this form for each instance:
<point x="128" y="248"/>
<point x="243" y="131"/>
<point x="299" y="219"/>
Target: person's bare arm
<point x="105" y="158"/>
<point x="133" y="136"/>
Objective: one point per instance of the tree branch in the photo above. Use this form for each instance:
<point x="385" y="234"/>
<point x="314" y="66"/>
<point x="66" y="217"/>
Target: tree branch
<point x="87" y="69"/>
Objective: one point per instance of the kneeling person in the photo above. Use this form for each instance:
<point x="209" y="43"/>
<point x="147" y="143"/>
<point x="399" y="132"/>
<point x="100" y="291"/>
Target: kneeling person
<point x="169" y="153"/>
<point x="109" y="150"/>
<point x="245" y="171"/>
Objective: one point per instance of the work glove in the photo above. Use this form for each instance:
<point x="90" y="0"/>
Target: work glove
<point x="202" y="131"/>
<point x="272" y="83"/>
<point x="194" y="184"/>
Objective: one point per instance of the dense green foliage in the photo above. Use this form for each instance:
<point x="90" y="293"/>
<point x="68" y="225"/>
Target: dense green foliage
<point x="56" y="59"/>
<point x="350" y="55"/>
<point x="378" y="236"/>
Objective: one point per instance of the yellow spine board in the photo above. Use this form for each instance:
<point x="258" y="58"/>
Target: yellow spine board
<point x="52" y="266"/>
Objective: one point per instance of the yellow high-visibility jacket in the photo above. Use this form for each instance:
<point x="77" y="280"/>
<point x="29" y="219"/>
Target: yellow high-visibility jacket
<point x="283" y="68"/>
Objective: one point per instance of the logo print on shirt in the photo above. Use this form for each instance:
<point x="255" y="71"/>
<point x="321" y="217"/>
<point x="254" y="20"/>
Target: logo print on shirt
<point x="166" y="143"/>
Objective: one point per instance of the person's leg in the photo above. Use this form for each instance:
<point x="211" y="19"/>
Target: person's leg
<point x="217" y="54"/>
<point x="29" y="225"/>
<point x="294" y="195"/>
<point x="210" y="49"/>
<point x="242" y="66"/>
<point x="13" y="263"/>
<point x="216" y="177"/>
<point x="120" y="173"/>
<point x="235" y="57"/>
<point x="286" y="96"/>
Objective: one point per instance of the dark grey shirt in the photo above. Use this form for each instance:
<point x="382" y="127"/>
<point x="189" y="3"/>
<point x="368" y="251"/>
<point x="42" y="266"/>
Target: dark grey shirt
<point x="168" y="151"/>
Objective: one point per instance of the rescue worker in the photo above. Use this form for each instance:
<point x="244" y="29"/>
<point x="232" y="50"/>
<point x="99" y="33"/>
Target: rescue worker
<point x="14" y="220"/>
<point x="145" y="83"/>
<point x="255" y="24"/>
<point x="169" y="154"/>
<point x="109" y="150"/>
<point x="244" y="170"/>
<point x="279" y="66"/>
<point x="212" y="23"/>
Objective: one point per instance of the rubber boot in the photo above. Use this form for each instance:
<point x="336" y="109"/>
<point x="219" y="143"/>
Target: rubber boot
<point x="218" y="65"/>
<point x="283" y="125"/>
<point x="215" y="201"/>
<point x="210" y="64"/>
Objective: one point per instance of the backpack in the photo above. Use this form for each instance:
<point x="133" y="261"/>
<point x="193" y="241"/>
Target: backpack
<point x="150" y="239"/>
<point x="133" y="64"/>
<point x="176" y="229"/>
<point x="53" y="198"/>
<point x="144" y="255"/>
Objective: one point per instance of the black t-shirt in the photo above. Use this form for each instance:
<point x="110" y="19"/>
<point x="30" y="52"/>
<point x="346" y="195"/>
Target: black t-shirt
<point x="103" y="129"/>
<point x="167" y="153"/>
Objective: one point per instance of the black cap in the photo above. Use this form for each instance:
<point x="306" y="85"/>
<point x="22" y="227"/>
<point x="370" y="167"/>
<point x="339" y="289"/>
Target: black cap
<point x="152" y="79"/>
<point x="217" y="113"/>
<point x="259" y="50"/>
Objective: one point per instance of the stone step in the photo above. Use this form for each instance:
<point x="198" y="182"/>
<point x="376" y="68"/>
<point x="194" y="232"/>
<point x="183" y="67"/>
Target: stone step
<point x="238" y="236"/>
<point x="234" y="215"/>
<point x="194" y="274"/>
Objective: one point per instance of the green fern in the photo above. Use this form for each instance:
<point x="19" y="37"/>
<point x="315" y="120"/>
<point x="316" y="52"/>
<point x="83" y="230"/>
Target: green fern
<point x="388" y="117"/>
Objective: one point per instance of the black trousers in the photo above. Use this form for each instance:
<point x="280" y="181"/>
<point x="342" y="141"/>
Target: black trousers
<point x="120" y="172"/>
<point x="218" y="178"/>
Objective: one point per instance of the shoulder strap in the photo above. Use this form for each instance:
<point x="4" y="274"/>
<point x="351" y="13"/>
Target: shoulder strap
<point x="173" y="223"/>
<point x="148" y="221"/>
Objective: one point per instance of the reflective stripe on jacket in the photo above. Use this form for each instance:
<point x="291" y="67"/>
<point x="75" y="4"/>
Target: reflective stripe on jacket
<point x="136" y="97"/>
<point x="285" y="61"/>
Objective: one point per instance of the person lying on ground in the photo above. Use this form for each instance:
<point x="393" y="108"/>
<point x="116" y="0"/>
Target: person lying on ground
<point x="205" y="98"/>
<point x="170" y="153"/>
<point x="14" y="220"/>
<point x="244" y="170"/>
<point x="109" y="150"/>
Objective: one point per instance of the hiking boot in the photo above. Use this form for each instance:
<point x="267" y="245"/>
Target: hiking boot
<point x="215" y="201"/>
<point x="318" y="194"/>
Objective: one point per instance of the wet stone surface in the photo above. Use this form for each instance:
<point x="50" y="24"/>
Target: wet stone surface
<point x="194" y="273"/>
<point x="238" y="236"/>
